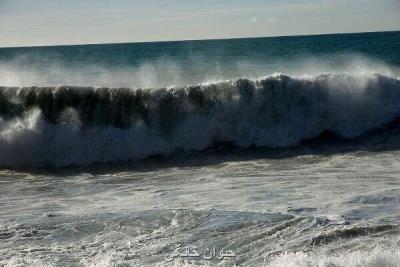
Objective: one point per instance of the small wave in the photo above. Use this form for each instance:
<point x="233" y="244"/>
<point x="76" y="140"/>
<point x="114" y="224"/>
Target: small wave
<point x="351" y="232"/>
<point x="64" y="125"/>
<point x="376" y="257"/>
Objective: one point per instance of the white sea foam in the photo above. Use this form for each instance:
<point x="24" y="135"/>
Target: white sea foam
<point x="376" y="257"/>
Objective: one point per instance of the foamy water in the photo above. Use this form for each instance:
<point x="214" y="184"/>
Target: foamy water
<point x="323" y="207"/>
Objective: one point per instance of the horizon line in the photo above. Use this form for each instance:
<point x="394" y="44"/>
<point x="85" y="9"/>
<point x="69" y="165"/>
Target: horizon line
<point x="196" y="40"/>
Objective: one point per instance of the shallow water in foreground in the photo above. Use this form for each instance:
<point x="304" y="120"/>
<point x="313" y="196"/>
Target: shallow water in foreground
<point x="325" y="205"/>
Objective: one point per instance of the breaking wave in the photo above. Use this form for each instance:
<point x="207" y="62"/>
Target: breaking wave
<point x="60" y="126"/>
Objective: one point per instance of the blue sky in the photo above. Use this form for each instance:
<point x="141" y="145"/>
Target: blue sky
<point x="49" y="22"/>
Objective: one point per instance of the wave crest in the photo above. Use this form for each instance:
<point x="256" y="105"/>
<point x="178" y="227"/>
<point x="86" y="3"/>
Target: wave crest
<point x="82" y="125"/>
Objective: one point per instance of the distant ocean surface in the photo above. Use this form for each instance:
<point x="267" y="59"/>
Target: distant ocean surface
<point x="284" y="151"/>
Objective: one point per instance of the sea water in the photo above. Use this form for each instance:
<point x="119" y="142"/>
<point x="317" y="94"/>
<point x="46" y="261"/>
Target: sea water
<point x="270" y="151"/>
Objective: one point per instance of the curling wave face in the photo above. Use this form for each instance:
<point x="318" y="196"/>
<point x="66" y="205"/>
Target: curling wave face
<point x="43" y="126"/>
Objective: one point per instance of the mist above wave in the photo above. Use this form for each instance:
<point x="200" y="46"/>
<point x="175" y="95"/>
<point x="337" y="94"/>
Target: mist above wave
<point x="62" y="126"/>
<point x="53" y="70"/>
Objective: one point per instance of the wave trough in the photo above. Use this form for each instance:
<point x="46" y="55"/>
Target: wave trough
<point x="61" y="126"/>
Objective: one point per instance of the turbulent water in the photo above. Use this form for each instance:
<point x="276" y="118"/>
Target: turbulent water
<point x="114" y="155"/>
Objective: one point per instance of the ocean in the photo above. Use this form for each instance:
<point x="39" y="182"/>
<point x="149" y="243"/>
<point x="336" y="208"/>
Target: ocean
<point x="278" y="151"/>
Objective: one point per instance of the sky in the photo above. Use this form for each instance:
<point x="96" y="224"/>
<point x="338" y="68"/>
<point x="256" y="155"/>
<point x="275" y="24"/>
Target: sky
<point x="55" y="22"/>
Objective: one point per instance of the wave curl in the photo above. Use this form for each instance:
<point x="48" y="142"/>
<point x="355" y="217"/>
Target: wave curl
<point x="60" y="126"/>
